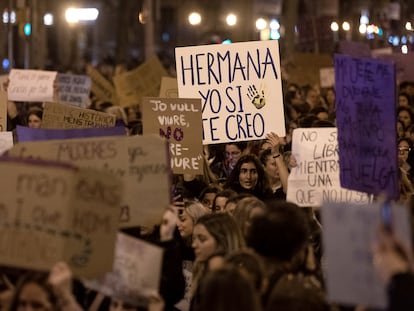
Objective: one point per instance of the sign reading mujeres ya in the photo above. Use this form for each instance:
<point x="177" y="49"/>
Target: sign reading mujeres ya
<point x="240" y="89"/>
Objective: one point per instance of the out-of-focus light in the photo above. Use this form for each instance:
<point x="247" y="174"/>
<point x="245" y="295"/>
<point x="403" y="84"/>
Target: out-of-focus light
<point x="404" y="49"/>
<point x="390" y="39"/>
<point x="396" y="41"/>
<point x="334" y="26"/>
<point x="261" y="24"/>
<point x="231" y="19"/>
<point x="370" y="29"/>
<point x="403" y="40"/>
<point x="75" y="15"/>
<point x="165" y="37"/>
<point x="5" y="63"/>
<point x="13" y="17"/>
<point x="27" y="29"/>
<point x="274" y="34"/>
<point x="227" y="41"/>
<point x="274" y="24"/>
<point x="363" y="28"/>
<point x="380" y="31"/>
<point x="194" y="18"/>
<point x="364" y="19"/>
<point x="48" y="19"/>
<point x="411" y="39"/>
<point x="346" y="26"/>
<point x="5" y="17"/>
<point x="408" y="26"/>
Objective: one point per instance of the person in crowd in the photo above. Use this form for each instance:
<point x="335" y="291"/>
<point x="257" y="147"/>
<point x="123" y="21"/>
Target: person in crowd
<point x="221" y="199"/>
<point x="329" y="98"/>
<point x="393" y="264"/>
<point x="245" y="210"/>
<point x="281" y="236"/>
<point x="34" y="117"/>
<point x="404" y="149"/>
<point x="214" y="233"/>
<point x="187" y="217"/>
<point x="225" y="289"/>
<point x="401" y="131"/>
<point x="207" y="196"/>
<point x="232" y="152"/>
<point x="404" y="100"/>
<point x="320" y="112"/>
<point x="249" y="177"/>
<point x="406" y="115"/>
<point x="276" y="171"/>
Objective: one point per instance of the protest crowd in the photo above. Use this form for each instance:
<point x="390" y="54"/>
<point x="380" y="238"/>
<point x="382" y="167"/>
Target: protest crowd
<point x="230" y="236"/>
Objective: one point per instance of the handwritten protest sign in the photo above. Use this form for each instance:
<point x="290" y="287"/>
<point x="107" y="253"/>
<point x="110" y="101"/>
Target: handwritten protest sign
<point x="6" y="141"/>
<point x="327" y="77"/>
<point x="179" y="121"/>
<point x="101" y="87"/>
<point x="69" y="117"/>
<point x="74" y="89"/>
<point x="348" y="235"/>
<point x="240" y="89"/>
<point x="366" y="118"/>
<point x="31" y="85"/>
<point x="136" y="272"/>
<point x="3" y="104"/>
<point x="51" y="212"/>
<point x="141" y="162"/>
<point x="315" y="180"/>
<point x="34" y="134"/>
<point x="143" y="81"/>
<point x="169" y="88"/>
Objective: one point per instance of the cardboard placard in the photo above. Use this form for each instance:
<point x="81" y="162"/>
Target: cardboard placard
<point x="327" y="77"/>
<point x="179" y="121"/>
<point x="169" y="88"/>
<point x="349" y="232"/>
<point x="6" y="141"/>
<point x="145" y="80"/>
<point x="101" y="87"/>
<point x="315" y="180"/>
<point x="136" y="272"/>
<point x="74" y="89"/>
<point x="404" y="64"/>
<point x="141" y="162"/>
<point x="366" y="118"/>
<point x="34" y="134"/>
<point x="31" y="85"/>
<point x="60" y="116"/>
<point x="51" y="212"/>
<point x="240" y="89"/>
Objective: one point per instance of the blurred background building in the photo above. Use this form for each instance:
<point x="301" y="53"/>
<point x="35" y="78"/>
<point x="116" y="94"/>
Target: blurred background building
<point x="43" y="34"/>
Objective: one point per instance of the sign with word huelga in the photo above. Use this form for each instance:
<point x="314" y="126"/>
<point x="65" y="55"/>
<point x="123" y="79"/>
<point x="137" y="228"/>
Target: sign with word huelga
<point x="6" y="141"/>
<point x="31" y="85"/>
<point x="349" y="232"/>
<point x="54" y="212"/>
<point x="240" y="89"/>
<point x="141" y="162"/>
<point x="136" y="272"/>
<point x="101" y="87"/>
<point x="179" y="121"/>
<point x="315" y="179"/>
<point x="74" y="89"/>
<point x="143" y="81"/>
<point x="366" y="118"/>
<point x="60" y="116"/>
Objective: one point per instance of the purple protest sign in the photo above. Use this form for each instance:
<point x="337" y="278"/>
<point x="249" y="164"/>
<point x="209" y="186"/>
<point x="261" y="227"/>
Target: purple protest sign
<point x="366" y="121"/>
<point x="35" y="134"/>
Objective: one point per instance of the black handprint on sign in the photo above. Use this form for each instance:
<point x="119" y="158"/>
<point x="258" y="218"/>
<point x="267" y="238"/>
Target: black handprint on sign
<point x="257" y="98"/>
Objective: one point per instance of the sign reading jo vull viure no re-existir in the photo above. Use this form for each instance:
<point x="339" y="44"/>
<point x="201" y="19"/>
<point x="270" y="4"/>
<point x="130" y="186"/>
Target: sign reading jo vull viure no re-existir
<point x="240" y="89"/>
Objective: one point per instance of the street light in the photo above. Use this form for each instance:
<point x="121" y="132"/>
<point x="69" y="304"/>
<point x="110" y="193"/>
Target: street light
<point x="75" y="15"/>
<point x="408" y="26"/>
<point x="362" y="29"/>
<point x="48" y="19"/>
<point x="231" y="19"/>
<point x="346" y="26"/>
<point x="194" y="18"/>
<point x="334" y="26"/>
<point x="261" y="24"/>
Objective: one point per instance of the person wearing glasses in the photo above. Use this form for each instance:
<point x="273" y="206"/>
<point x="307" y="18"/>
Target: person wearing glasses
<point x="232" y="153"/>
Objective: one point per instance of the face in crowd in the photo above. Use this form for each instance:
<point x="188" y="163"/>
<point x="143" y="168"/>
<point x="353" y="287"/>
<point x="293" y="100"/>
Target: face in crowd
<point x="233" y="154"/>
<point x="248" y="176"/>
<point x="33" y="298"/>
<point x="34" y="121"/>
